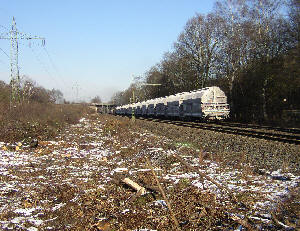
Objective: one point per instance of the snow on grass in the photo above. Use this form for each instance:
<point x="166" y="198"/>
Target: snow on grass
<point x="271" y="189"/>
<point x="25" y="172"/>
<point x="76" y="157"/>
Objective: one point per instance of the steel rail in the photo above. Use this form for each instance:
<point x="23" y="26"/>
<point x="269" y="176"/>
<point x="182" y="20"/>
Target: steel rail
<point x="244" y="130"/>
<point x="255" y="126"/>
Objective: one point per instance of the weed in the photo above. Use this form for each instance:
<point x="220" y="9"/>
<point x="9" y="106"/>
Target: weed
<point x="36" y="119"/>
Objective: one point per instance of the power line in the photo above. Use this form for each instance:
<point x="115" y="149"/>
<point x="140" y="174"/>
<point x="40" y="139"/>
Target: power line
<point x="4" y="52"/>
<point x="53" y="65"/>
<point x="43" y="65"/>
<point x="14" y="35"/>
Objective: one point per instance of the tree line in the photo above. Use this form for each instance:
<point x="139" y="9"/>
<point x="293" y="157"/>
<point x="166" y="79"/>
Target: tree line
<point x="28" y="92"/>
<point x="249" y="48"/>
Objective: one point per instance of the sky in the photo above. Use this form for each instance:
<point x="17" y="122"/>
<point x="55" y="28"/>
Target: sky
<point x="92" y="47"/>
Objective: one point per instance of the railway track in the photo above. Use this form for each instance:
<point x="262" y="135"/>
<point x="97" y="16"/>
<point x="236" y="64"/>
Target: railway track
<point x="286" y="135"/>
<point x="255" y="126"/>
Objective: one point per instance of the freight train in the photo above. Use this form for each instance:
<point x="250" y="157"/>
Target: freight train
<point x="208" y="103"/>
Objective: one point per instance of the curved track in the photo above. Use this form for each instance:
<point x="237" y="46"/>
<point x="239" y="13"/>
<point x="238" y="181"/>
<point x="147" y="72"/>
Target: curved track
<point x="286" y="135"/>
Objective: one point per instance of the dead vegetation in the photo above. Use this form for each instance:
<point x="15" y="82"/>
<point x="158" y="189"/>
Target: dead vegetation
<point x="76" y="182"/>
<point x="28" y="121"/>
<point x="33" y="112"/>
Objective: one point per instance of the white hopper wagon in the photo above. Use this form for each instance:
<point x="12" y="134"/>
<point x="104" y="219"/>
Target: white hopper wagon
<point x="207" y="103"/>
<point x="214" y="104"/>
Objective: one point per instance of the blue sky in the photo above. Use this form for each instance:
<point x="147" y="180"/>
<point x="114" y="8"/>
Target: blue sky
<point x="92" y="46"/>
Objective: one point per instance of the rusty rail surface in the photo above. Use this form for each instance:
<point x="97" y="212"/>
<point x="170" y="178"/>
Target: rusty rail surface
<point x="286" y="135"/>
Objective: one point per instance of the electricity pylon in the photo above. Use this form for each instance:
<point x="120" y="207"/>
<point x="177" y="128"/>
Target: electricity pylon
<point x="13" y="35"/>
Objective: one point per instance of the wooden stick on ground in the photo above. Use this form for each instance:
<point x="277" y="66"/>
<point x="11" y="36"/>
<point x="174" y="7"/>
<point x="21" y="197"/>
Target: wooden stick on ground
<point x="134" y="185"/>
<point x="164" y="195"/>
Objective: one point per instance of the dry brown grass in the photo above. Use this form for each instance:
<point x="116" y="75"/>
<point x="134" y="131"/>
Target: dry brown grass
<point x="86" y="206"/>
<point x="35" y="119"/>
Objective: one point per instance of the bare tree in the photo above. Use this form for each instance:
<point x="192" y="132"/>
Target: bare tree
<point x="116" y="98"/>
<point x="254" y="31"/>
<point x="200" y="41"/>
<point x="56" y="96"/>
<point x="178" y="74"/>
<point x="235" y="44"/>
<point x="294" y="14"/>
<point x="266" y="38"/>
<point x="240" y="45"/>
<point x="96" y="99"/>
<point x="27" y="88"/>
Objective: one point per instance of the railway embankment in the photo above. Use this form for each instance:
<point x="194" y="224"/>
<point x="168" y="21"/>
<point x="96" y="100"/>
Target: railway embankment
<point x="194" y="180"/>
<point x="261" y="154"/>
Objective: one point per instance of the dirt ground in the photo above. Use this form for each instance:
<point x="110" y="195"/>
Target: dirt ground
<point x="76" y="182"/>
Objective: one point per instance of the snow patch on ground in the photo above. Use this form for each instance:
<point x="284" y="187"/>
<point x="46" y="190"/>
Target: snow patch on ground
<point x="24" y="173"/>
